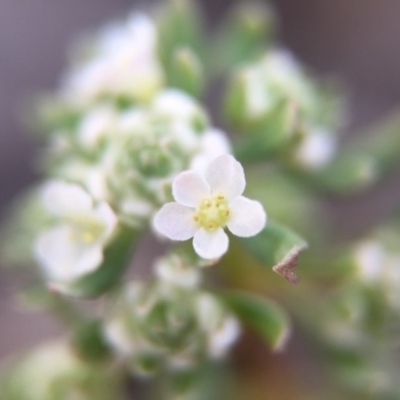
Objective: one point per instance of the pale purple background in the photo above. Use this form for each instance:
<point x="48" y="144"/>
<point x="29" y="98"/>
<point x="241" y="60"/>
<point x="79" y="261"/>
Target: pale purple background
<point x="357" y="41"/>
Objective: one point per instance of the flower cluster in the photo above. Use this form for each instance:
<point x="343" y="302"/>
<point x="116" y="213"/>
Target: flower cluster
<point x="121" y="65"/>
<point x="278" y="78"/>
<point x="170" y="321"/>
<point x="131" y="147"/>
<point x="129" y="157"/>
<point x="54" y="372"/>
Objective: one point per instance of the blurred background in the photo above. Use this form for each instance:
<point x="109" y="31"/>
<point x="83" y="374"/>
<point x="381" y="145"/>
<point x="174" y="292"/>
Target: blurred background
<point x="356" y="42"/>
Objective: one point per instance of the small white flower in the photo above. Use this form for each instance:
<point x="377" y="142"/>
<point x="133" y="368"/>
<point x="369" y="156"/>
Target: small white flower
<point x="204" y="207"/>
<point x="125" y="64"/>
<point x="74" y="246"/>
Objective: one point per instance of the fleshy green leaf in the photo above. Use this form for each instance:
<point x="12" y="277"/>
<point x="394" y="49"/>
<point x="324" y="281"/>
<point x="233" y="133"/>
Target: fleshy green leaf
<point x="244" y="36"/>
<point x="277" y="247"/>
<point x="186" y="71"/>
<point x="117" y="257"/>
<point x="263" y="316"/>
<point x="89" y="342"/>
<point x="179" y="25"/>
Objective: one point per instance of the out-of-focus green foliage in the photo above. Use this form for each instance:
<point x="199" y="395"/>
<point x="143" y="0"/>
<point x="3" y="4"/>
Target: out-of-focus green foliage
<point x="263" y="316"/>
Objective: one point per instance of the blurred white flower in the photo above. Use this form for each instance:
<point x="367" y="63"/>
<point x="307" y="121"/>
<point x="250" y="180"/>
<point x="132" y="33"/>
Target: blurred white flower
<point x="213" y="143"/>
<point x="369" y="256"/>
<point x="379" y="266"/>
<point x="177" y="105"/>
<point x="277" y="76"/>
<point x="204" y="206"/>
<point x="172" y="325"/>
<point x="175" y="271"/>
<point x="54" y="371"/>
<point x="125" y="64"/>
<point x="222" y="328"/>
<point x="74" y="246"/>
<point x="97" y="125"/>
<point x="316" y="149"/>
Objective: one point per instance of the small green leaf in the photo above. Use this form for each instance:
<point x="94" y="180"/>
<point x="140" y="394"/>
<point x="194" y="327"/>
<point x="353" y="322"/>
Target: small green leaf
<point x="277" y="247"/>
<point x="235" y="103"/>
<point x="244" y="36"/>
<point x="186" y="71"/>
<point x="117" y="257"/>
<point x="89" y="342"/>
<point x="263" y="316"/>
<point x="179" y="25"/>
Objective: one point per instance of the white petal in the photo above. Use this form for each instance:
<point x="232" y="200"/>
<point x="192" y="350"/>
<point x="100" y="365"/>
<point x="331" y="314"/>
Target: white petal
<point x="64" y="259"/>
<point x="210" y="245"/>
<point x="226" y="176"/>
<point x="87" y="259"/>
<point x="62" y="198"/>
<point x="106" y="215"/>
<point x="316" y="150"/>
<point x="224" y="337"/>
<point x="247" y="217"/>
<point x="176" y="105"/>
<point x="96" y="125"/>
<point x="189" y="189"/>
<point x="175" y="221"/>
<point x="214" y="143"/>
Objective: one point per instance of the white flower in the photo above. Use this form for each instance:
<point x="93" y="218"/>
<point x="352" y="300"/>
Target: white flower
<point x="204" y="206"/>
<point x="126" y="64"/>
<point x="74" y="246"/>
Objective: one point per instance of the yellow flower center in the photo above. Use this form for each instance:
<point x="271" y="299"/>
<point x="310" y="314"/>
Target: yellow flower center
<point x="85" y="230"/>
<point x="212" y="213"/>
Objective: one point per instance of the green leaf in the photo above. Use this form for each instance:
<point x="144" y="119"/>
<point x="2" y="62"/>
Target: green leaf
<point x="271" y="136"/>
<point x="235" y="103"/>
<point x="263" y="316"/>
<point x="89" y="342"/>
<point x="244" y="36"/>
<point x="117" y="257"/>
<point x="367" y="160"/>
<point x="186" y="72"/>
<point x="277" y="247"/>
<point x="179" y="25"/>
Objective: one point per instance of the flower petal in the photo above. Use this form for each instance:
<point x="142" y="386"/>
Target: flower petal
<point x="210" y="245"/>
<point x="189" y="189"/>
<point x="247" y="217"/>
<point x="225" y="175"/>
<point x="62" y="258"/>
<point x="105" y="214"/>
<point x="175" y="221"/>
<point x="62" y="198"/>
<point x="213" y="144"/>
